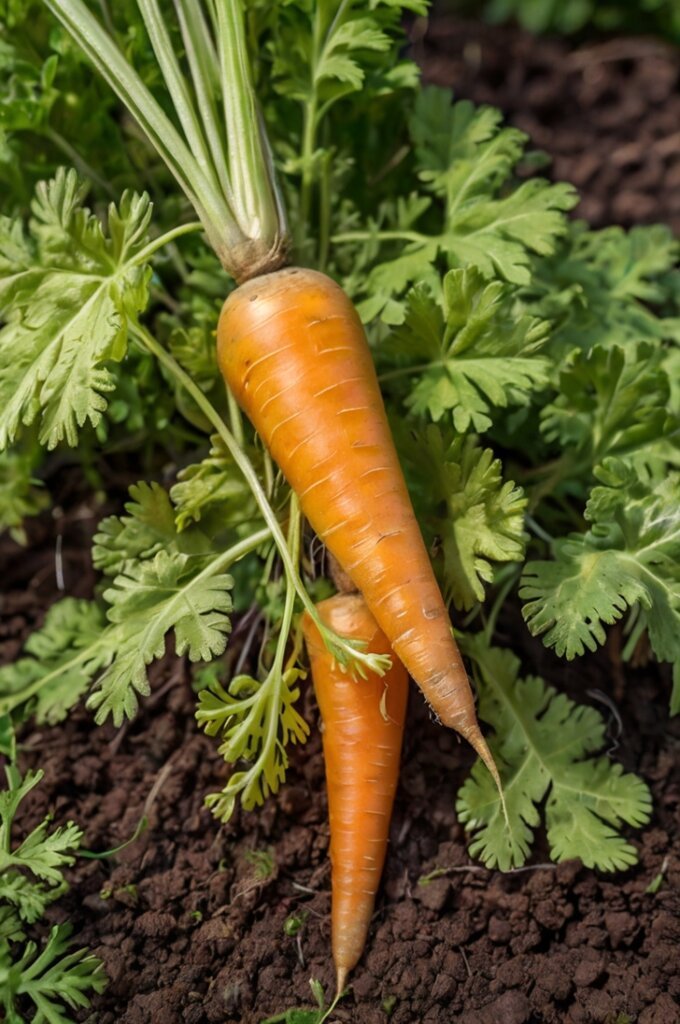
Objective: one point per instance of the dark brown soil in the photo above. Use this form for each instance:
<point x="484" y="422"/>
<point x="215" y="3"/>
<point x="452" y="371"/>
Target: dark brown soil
<point x="188" y="927"/>
<point x="607" y="113"/>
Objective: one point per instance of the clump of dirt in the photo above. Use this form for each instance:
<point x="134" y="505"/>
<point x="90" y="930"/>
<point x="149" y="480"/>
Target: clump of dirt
<point x="607" y="113"/>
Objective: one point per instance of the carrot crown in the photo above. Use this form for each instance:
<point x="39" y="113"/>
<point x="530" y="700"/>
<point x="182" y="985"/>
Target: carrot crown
<point x="215" y="145"/>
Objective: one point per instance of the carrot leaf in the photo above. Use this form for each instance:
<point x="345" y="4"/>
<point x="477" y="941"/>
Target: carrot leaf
<point x="256" y="720"/>
<point x="149" y="527"/>
<point x="545" y="747"/>
<point x="215" y="483"/>
<point x="611" y="401"/>
<point x="67" y="292"/>
<point x="21" y="495"/>
<point x="31" y="872"/>
<point x="50" y="977"/>
<point x="473" y="354"/>
<point x="627" y="561"/>
<point x="59" y="661"/>
<point x="149" y="600"/>
<point x="161" y="582"/>
<point x="601" y="288"/>
<point x="464" y="156"/>
<point x="469" y="512"/>
<point x="465" y="161"/>
<point x="32" y="877"/>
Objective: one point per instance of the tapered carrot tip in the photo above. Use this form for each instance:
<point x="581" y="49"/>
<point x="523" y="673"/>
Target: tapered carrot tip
<point x="480" y="746"/>
<point x="341" y="976"/>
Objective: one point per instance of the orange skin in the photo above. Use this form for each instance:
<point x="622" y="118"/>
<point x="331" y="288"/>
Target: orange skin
<point x="363" y="728"/>
<point x="294" y="353"/>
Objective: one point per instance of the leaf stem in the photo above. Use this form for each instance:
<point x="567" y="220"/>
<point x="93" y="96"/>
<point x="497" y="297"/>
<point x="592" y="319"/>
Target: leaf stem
<point x="381" y="236"/>
<point x="157" y="243"/>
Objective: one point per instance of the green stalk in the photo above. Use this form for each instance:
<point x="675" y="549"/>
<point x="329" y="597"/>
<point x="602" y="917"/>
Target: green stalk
<point x="251" y="172"/>
<point x="204" y="69"/>
<point x="157" y="243"/>
<point x="212" y="208"/>
<point x="177" y="87"/>
<point x="228" y="176"/>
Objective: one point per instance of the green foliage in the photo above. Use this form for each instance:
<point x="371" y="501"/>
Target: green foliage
<point x="611" y="402"/>
<point x="473" y="354"/>
<point x="147" y="529"/>
<point x="50" y="977"/>
<point x="59" y="661"/>
<point x="214" y="484"/>
<point x="31" y="874"/>
<point x="466" y="508"/>
<point x="355" y="41"/>
<point x="255" y="722"/>
<point x="544" y="746"/>
<point x="659" y="17"/>
<point x="605" y="288"/>
<point x="147" y="601"/>
<point x="67" y="292"/>
<point x="464" y="156"/>
<point x="626" y="560"/>
<point x="21" y="495"/>
<point x="162" y="582"/>
<point x="464" y="160"/>
<point x="31" y="877"/>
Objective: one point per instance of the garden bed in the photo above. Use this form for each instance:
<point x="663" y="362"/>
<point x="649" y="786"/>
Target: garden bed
<point x="189" y="919"/>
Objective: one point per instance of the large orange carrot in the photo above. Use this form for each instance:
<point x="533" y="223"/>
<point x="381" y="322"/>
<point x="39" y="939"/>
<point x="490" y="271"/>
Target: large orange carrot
<point x="363" y="727"/>
<point x="294" y="353"/>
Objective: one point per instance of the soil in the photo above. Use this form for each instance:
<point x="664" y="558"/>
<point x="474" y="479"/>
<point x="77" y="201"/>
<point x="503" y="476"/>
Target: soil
<point x="189" y="919"/>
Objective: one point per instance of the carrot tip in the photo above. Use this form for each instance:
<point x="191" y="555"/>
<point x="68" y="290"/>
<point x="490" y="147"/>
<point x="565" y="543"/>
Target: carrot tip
<point x="341" y="975"/>
<point x="479" y="745"/>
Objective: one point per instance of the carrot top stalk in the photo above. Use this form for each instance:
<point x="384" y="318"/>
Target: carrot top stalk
<point x="216" y="146"/>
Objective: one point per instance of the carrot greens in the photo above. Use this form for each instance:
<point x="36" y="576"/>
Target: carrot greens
<point x="52" y="976"/>
<point x="548" y="742"/>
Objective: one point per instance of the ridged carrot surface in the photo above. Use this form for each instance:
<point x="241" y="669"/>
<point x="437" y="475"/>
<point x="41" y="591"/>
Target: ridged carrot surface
<point x="363" y="728"/>
<point x="294" y="353"/>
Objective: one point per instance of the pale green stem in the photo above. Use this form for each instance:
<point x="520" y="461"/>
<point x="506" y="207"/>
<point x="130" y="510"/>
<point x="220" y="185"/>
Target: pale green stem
<point x="235" y="420"/>
<point x="251" y="174"/>
<point x="157" y="243"/>
<point x="126" y="83"/>
<point x="325" y="213"/>
<point x="204" y="67"/>
<point x="381" y="236"/>
<point x="177" y="87"/>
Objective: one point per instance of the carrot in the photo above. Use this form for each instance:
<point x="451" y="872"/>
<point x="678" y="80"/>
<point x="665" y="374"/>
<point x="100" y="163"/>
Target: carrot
<point x="363" y="728"/>
<point x="293" y="351"/>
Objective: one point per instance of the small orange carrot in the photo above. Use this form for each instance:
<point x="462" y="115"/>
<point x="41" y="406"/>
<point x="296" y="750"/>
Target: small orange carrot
<point x="293" y="351"/>
<point x="363" y="727"/>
